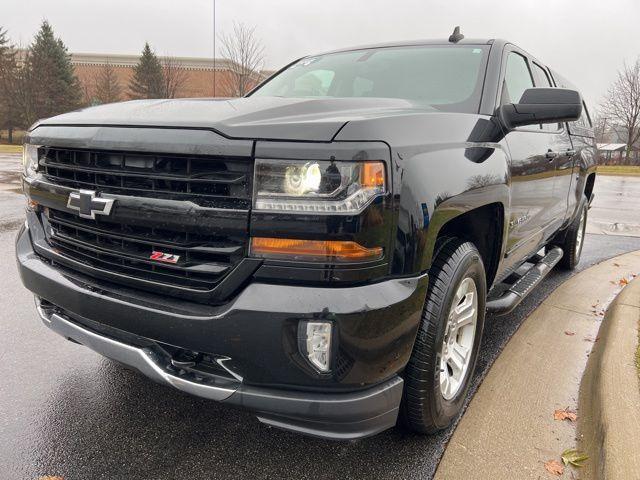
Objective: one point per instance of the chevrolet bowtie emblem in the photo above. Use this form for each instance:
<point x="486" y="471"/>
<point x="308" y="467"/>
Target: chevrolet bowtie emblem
<point x="88" y="204"/>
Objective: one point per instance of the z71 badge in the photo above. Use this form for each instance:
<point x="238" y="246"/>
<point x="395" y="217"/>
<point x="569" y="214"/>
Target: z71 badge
<point x="164" y="257"/>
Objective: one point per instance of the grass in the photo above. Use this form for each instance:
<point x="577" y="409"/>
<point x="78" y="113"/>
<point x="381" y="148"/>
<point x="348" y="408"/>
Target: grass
<point x="10" y="148"/>
<point x="626" y="170"/>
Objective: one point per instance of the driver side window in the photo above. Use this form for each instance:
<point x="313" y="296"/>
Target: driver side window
<point x="517" y="78"/>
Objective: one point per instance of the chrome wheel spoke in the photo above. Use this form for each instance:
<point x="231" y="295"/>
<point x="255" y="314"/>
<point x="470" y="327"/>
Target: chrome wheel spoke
<point x="465" y="313"/>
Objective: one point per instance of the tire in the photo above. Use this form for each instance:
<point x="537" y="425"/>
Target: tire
<point x="430" y="402"/>
<point x="574" y="241"/>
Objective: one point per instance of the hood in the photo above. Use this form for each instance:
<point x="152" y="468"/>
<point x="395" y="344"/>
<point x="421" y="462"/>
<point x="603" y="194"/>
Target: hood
<point x="317" y="119"/>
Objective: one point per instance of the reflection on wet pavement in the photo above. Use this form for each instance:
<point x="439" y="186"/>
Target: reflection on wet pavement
<point x="616" y="206"/>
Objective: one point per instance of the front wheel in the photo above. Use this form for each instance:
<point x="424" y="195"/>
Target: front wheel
<point x="444" y="355"/>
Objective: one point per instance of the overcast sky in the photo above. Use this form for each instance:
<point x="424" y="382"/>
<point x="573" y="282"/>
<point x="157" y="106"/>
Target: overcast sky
<point x="585" y="40"/>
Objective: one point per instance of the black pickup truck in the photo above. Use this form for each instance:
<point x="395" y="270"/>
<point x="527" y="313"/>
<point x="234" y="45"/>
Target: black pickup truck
<point x="323" y="251"/>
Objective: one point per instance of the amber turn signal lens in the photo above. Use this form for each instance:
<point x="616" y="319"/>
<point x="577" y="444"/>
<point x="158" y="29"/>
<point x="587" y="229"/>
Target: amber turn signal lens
<point x="372" y="174"/>
<point x="313" y="250"/>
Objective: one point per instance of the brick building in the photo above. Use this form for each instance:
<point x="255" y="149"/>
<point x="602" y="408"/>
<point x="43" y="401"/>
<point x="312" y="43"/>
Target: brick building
<point x="198" y="74"/>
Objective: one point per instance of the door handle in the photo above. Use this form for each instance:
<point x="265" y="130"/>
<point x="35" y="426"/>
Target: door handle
<point x="551" y="154"/>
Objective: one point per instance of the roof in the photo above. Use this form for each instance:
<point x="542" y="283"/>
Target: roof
<point x="611" y="147"/>
<point x="119" y="60"/>
<point x="410" y="43"/>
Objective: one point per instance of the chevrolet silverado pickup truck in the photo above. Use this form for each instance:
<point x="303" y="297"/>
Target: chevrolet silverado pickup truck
<point x="324" y="250"/>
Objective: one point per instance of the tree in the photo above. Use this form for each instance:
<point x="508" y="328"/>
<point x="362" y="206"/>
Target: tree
<point x="50" y="86"/>
<point x="148" y="80"/>
<point x="108" y="88"/>
<point x="245" y="54"/>
<point x="10" y="112"/>
<point x="622" y="104"/>
<point x="174" y="77"/>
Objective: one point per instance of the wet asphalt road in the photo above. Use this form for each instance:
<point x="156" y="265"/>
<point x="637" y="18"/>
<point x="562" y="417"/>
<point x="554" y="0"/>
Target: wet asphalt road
<point x="66" y="411"/>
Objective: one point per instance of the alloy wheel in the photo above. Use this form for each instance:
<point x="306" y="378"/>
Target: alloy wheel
<point x="457" y="345"/>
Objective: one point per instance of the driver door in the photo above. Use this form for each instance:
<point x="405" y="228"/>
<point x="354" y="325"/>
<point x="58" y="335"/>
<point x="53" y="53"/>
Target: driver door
<point x="532" y="168"/>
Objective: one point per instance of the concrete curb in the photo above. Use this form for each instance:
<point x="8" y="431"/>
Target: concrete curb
<point x="609" y="400"/>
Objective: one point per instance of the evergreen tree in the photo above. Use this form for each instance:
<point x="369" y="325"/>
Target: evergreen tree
<point x="50" y="83"/>
<point x="148" y="79"/>
<point x="10" y="113"/>
<point x="108" y="89"/>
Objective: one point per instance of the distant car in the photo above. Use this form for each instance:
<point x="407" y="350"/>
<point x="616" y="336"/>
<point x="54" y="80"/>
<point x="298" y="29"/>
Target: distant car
<point x="323" y="251"/>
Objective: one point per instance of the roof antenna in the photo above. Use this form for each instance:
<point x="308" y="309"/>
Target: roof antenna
<point x="456" y="36"/>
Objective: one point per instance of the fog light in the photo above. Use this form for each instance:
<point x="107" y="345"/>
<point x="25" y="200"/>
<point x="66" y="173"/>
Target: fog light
<point x="315" y="343"/>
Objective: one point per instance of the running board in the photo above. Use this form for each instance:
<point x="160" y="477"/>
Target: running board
<point x="516" y="293"/>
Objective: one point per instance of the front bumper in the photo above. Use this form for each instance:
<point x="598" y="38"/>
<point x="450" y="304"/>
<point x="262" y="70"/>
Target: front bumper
<point x="376" y="326"/>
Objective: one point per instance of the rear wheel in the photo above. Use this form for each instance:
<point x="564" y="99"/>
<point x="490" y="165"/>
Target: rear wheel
<point x="439" y="371"/>
<point x="574" y="241"/>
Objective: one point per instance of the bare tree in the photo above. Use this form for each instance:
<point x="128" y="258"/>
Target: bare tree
<point x="245" y="54"/>
<point x="622" y="104"/>
<point x="175" y="77"/>
<point x="108" y="87"/>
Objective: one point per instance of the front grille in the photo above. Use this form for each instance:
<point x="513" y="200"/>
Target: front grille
<point x="121" y="245"/>
<point x="203" y="259"/>
<point x="218" y="182"/>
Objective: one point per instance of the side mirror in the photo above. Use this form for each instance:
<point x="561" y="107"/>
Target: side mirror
<point x="542" y="105"/>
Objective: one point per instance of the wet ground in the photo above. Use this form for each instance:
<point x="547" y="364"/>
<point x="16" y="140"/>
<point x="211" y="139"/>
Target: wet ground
<point x="616" y="207"/>
<point x="66" y="411"/>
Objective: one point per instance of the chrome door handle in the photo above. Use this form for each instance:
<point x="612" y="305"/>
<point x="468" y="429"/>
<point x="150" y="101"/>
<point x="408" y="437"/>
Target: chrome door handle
<point x="551" y="154"/>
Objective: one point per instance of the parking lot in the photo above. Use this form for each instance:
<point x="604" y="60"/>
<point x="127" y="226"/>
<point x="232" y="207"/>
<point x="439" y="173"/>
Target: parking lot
<point x="66" y="411"/>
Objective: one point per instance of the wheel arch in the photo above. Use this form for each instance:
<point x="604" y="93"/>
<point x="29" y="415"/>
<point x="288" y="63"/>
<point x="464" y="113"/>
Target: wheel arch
<point x="482" y="225"/>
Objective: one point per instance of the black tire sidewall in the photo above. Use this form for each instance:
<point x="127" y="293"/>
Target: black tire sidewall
<point x="470" y="266"/>
<point x="424" y="408"/>
<point x="571" y="257"/>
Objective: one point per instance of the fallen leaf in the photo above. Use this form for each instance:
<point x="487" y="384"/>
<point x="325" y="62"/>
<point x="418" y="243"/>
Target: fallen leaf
<point x="622" y="282"/>
<point x="570" y="333"/>
<point x="49" y="477"/>
<point x="616" y="264"/>
<point x="573" y="457"/>
<point x="554" y="467"/>
<point x="565" y="414"/>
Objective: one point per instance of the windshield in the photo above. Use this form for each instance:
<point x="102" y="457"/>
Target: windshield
<point x="445" y="77"/>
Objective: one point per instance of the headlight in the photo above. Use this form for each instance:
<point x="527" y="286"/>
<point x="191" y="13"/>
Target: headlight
<point x="29" y="160"/>
<point x="317" y="186"/>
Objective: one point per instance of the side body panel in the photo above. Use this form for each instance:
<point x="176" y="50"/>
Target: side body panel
<point x="538" y="155"/>
<point x="584" y="161"/>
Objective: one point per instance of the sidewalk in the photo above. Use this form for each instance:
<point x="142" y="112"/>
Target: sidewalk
<point x="509" y="431"/>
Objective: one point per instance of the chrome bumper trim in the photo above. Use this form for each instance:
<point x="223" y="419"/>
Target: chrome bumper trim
<point x="138" y="358"/>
